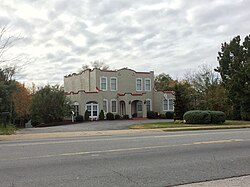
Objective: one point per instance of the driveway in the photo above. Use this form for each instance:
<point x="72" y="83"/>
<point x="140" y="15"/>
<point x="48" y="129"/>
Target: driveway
<point x="89" y="126"/>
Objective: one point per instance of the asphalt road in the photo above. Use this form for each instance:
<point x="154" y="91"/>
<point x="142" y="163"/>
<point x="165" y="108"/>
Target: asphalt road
<point x="143" y="159"/>
<point x="90" y="126"/>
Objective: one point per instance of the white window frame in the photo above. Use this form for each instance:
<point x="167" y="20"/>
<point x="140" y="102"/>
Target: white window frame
<point x="167" y="109"/>
<point x="106" y="101"/>
<point x="150" y="102"/>
<point x="115" y="83"/>
<point x="111" y="106"/>
<point x="101" y="83"/>
<point x="136" y="84"/>
<point x="145" y="85"/>
<point x="76" y="108"/>
<point x="169" y="104"/>
<point x="92" y="111"/>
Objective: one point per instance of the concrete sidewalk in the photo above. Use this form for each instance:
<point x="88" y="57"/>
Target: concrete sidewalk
<point x="243" y="181"/>
<point x="72" y="134"/>
<point x="40" y="135"/>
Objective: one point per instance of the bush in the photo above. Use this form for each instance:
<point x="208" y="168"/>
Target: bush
<point x="197" y="117"/>
<point x="101" y="115"/>
<point x="163" y="116"/>
<point x="110" y="116"/>
<point x="79" y="118"/>
<point x="86" y="115"/>
<point x="151" y="115"/>
<point x="125" y="116"/>
<point x="117" y="116"/>
<point x="204" y="117"/>
<point x="170" y="115"/>
<point x="217" y="117"/>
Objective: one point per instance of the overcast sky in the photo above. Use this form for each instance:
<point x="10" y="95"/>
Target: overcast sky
<point x="170" y="36"/>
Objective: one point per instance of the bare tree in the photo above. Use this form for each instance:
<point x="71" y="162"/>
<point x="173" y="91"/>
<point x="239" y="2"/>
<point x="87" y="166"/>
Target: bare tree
<point x="95" y="64"/>
<point x="10" y="65"/>
<point x="99" y="65"/>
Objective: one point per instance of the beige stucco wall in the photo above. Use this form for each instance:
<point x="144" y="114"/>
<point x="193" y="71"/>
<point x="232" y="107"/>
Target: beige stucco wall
<point x="89" y="81"/>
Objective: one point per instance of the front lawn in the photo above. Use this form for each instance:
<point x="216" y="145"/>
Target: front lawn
<point x="176" y="125"/>
<point x="10" y="129"/>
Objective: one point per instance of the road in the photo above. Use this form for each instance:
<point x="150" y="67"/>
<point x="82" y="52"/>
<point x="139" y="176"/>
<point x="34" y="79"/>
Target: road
<point x="143" y="159"/>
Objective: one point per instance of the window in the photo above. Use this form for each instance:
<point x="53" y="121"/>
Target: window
<point x="165" y="104"/>
<point x="139" y="106"/>
<point x="103" y="83"/>
<point x="138" y="84"/>
<point x="148" y="105"/>
<point x="147" y="84"/>
<point x="105" y="105"/>
<point x="113" y="106"/>
<point x="92" y="108"/>
<point x="168" y="104"/>
<point x="76" y="108"/>
<point x="113" y="84"/>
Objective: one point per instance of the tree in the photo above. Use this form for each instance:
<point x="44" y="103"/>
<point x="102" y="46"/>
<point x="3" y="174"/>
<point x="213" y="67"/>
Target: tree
<point x="95" y="64"/>
<point x="21" y="99"/>
<point x="49" y="105"/>
<point x="8" y="68"/>
<point x="163" y="82"/>
<point x="234" y="68"/>
<point x="183" y="99"/>
<point x="208" y="94"/>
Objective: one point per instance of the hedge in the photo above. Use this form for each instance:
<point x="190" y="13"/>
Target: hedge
<point x="110" y="116"/>
<point x="169" y="115"/>
<point x="217" y="117"/>
<point x="79" y="118"/>
<point x="151" y="115"/>
<point x="204" y="117"/>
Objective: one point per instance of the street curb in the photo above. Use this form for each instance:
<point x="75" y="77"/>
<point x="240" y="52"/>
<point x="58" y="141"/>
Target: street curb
<point x="111" y="132"/>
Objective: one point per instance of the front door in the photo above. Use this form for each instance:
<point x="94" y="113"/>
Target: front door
<point x="93" y="110"/>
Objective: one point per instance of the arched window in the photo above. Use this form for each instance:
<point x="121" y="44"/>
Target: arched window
<point x="93" y="109"/>
<point x="76" y="108"/>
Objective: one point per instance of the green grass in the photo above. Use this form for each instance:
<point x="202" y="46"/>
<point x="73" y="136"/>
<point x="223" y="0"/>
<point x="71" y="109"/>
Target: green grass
<point x="176" y="125"/>
<point x="10" y="129"/>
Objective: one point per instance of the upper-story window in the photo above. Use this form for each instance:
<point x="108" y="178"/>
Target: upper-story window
<point x="147" y="84"/>
<point x="138" y="84"/>
<point x="103" y="83"/>
<point x="113" y="84"/>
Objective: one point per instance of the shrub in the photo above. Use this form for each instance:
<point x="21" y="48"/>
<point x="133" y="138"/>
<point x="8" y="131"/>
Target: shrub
<point x="110" y="116"/>
<point x="197" y="117"/>
<point x="163" y="116"/>
<point x="101" y="115"/>
<point x="86" y="115"/>
<point x="151" y="115"/>
<point x="170" y="115"/>
<point x="117" y="116"/>
<point x="79" y="118"/>
<point x="125" y="116"/>
<point x="217" y="117"/>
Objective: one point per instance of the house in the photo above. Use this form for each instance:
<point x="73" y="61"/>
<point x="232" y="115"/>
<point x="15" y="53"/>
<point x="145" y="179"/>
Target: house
<point x="123" y="92"/>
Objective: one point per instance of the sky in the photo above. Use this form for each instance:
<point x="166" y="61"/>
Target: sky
<point x="166" y="36"/>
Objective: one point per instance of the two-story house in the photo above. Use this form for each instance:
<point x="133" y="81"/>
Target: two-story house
<point x="123" y="92"/>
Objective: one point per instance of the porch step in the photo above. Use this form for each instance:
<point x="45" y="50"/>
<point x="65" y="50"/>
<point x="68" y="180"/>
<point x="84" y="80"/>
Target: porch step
<point x="139" y="118"/>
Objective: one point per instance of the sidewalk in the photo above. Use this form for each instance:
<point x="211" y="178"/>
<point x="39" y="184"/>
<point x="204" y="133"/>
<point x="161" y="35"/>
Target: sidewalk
<point x="231" y="182"/>
<point x="72" y="134"/>
<point x="40" y="135"/>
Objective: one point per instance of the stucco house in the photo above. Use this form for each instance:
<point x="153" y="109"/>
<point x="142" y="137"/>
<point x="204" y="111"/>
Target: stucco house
<point x="123" y="92"/>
